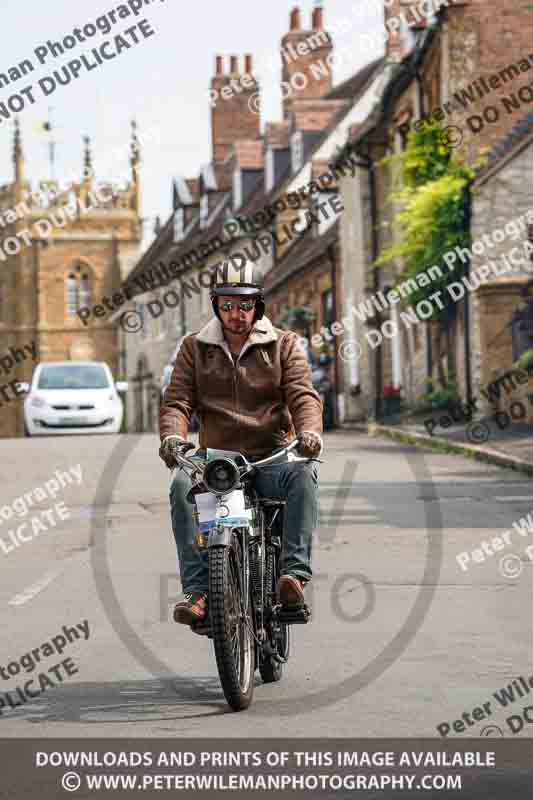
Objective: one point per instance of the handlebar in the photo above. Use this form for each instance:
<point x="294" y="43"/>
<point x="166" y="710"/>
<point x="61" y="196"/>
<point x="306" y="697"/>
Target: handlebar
<point x="186" y="461"/>
<point x="284" y="451"/>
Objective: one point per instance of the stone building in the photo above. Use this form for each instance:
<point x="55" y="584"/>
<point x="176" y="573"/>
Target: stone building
<point x="503" y="195"/>
<point x="249" y="172"/>
<point x="62" y="248"/>
<point x="455" y="66"/>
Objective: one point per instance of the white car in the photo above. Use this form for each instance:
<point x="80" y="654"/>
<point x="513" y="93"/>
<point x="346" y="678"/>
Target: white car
<point x="68" y="397"/>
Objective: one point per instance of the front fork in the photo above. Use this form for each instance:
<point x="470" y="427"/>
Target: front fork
<point x="222" y="536"/>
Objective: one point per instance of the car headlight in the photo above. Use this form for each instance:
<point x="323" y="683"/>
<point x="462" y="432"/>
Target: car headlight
<point x="221" y="476"/>
<point x="37" y="402"/>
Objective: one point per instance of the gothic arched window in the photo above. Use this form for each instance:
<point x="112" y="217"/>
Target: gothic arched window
<point x="72" y="295"/>
<point x="85" y="290"/>
<point x="78" y="289"/>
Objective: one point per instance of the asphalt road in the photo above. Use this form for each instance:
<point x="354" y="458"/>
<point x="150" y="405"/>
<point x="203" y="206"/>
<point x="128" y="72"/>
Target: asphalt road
<point x="402" y="639"/>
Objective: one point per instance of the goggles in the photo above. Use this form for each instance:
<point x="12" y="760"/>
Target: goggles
<point x="244" y="305"/>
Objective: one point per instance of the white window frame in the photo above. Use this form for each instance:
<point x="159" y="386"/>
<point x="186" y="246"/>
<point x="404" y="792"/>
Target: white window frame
<point x="297" y="151"/>
<point x="179" y="224"/>
<point x="204" y="209"/>
<point x="269" y="169"/>
<point x="237" y="189"/>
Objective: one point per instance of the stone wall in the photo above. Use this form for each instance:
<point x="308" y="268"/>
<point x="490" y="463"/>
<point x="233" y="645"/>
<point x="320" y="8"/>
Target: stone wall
<point x="486" y="38"/>
<point x="503" y="196"/>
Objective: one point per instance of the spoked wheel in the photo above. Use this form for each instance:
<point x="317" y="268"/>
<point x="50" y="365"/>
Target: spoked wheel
<point x="278" y="634"/>
<point x="231" y="626"/>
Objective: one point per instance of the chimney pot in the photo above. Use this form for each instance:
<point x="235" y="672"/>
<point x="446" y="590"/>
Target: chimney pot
<point x="295" y="19"/>
<point x="248" y="63"/>
<point x="318" y="18"/>
<point x="234" y="65"/>
<point x="220" y="66"/>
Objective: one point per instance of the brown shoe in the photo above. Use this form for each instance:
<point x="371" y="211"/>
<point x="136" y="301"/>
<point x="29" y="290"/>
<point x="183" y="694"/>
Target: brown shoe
<point x="291" y="591"/>
<point x="192" y="609"/>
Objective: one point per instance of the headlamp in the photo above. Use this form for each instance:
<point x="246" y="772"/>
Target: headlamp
<point x="221" y="476"/>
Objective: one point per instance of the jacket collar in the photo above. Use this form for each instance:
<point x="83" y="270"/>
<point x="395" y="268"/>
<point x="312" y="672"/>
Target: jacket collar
<point x="262" y="332"/>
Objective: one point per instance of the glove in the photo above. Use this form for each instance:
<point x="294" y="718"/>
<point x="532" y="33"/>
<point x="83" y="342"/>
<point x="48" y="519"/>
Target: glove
<point x="170" y="447"/>
<point x="311" y="444"/>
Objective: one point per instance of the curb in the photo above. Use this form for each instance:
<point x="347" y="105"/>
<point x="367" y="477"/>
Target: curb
<point x="438" y="444"/>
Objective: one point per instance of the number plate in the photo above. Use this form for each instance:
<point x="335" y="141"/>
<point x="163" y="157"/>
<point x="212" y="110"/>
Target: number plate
<point x="74" y="421"/>
<point x="228" y="511"/>
<point x="231" y="510"/>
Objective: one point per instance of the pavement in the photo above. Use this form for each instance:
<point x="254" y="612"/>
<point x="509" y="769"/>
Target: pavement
<point x="482" y="439"/>
<point x="402" y="639"/>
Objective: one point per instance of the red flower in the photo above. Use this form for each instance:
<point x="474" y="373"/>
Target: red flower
<point x="391" y="391"/>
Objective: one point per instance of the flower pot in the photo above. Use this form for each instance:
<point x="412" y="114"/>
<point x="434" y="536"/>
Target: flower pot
<point x="392" y="405"/>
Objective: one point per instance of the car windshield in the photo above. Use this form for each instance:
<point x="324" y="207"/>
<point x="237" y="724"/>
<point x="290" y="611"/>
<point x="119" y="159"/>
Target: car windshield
<point x="75" y="376"/>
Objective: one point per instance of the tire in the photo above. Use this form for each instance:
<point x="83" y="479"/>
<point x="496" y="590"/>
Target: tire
<point x="270" y="669"/>
<point x="234" y="643"/>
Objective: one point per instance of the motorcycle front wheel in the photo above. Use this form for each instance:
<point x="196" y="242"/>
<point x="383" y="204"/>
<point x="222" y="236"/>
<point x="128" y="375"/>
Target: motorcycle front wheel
<point x="231" y="625"/>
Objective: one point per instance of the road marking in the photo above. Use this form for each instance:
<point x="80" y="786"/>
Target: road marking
<point x="526" y="498"/>
<point x="33" y="590"/>
<point x="37" y="587"/>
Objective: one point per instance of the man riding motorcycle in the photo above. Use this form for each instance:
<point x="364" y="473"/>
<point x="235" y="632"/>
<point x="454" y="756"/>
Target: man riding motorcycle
<point x="250" y="385"/>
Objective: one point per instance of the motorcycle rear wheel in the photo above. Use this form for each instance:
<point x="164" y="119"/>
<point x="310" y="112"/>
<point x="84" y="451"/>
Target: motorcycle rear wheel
<point x="270" y="668"/>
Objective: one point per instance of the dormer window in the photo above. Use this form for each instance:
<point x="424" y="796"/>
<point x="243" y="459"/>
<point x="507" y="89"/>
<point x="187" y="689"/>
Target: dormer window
<point x="269" y="170"/>
<point x="204" y="209"/>
<point x="237" y="189"/>
<point x="178" y="225"/>
<point x="297" y="151"/>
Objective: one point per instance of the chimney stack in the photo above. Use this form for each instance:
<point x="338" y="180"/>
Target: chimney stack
<point x="301" y="50"/>
<point x="234" y="109"/>
<point x="398" y="13"/>
<point x="318" y="18"/>
<point x="295" y="19"/>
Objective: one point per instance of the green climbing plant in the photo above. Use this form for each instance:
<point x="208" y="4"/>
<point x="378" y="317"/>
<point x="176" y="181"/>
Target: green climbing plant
<point x="434" y="215"/>
<point x="434" y="199"/>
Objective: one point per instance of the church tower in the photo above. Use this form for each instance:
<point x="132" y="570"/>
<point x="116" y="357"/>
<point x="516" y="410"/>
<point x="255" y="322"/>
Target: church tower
<point x="61" y="248"/>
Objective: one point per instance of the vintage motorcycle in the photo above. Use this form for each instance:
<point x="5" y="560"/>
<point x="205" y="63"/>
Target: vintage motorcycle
<point x="242" y="533"/>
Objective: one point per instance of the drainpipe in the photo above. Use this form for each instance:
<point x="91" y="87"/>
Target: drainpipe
<point x="368" y="164"/>
<point x="378" y="361"/>
<point x="466" y="327"/>
<point x="331" y="256"/>
<point x="429" y="350"/>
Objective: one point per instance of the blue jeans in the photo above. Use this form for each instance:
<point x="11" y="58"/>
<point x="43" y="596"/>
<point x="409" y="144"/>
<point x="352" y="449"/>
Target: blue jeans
<point x="297" y="483"/>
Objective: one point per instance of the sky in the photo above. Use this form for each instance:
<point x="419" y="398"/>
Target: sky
<point x="162" y="82"/>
